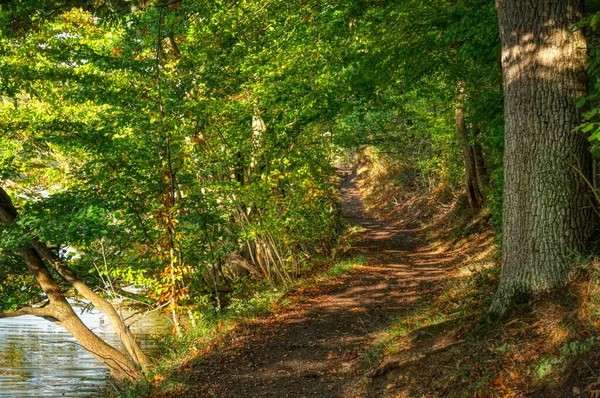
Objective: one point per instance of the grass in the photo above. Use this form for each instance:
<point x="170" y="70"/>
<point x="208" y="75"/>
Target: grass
<point x="547" y="346"/>
<point x="213" y="327"/>
<point x="344" y="267"/>
<point x="449" y="346"/>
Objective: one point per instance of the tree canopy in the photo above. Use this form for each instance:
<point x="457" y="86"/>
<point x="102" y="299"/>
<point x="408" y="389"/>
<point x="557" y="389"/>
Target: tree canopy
<point x="161" y="151"/>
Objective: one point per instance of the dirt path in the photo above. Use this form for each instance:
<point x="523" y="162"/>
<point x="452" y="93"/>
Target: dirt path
<point x="313" y="348"/>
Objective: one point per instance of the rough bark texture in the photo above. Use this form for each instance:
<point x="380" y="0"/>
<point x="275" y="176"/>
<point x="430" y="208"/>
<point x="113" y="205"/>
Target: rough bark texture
<point x="546" y="216"/>
<point x="59" y="309"/>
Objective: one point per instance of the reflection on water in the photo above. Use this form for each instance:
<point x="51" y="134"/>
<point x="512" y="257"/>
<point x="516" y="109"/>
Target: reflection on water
<point x="40" y="359"/>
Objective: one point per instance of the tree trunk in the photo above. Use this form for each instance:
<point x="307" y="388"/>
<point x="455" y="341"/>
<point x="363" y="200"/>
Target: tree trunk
<point x="546" y="216"/>
<point x="473" y="191"/>
<point x="121" y="368"/>
<point x="59" y="310"/>
<point x="480" y="169"/>
<point x="119" y="326"/>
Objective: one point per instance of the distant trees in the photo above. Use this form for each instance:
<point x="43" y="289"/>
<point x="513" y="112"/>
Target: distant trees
<point x="438" y="106"/>
<point x="425" y="82"/>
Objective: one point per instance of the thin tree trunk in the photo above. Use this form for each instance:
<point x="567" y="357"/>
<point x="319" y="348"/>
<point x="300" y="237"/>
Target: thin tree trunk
<point x="171" y="195"/>
<point x="472" y="185"/>
<point x="546" y="216"/>
<point x="480" y="169"/>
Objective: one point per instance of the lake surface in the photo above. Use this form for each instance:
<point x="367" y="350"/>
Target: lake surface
<point x="40" y="359"/>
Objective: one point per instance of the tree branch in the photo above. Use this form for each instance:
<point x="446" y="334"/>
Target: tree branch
<point x="44" y="312"/>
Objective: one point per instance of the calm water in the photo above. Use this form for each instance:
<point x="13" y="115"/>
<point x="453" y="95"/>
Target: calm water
<point x="40" y="359"/>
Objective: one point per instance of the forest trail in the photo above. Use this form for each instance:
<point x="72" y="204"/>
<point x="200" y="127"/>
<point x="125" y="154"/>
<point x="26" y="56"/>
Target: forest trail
<point x="313" y="347"/>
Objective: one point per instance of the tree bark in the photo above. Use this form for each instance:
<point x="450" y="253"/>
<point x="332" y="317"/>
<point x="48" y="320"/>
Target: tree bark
<point x="471" y="182"/>
<point x="546" y="216"/>
<point x="121" y="368"/>
<point x="480" y="169"/>
<point x="121" y="329"/>
<point x="59" y="309"/>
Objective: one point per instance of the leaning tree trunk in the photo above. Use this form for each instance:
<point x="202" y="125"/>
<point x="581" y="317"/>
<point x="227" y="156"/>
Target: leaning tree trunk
<point x="546" y="216"/>
<point x="118" y="324"/>
<point x="60" y="311"/>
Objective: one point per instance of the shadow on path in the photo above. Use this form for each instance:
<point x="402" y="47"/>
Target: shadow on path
<point x="312" y="348"/>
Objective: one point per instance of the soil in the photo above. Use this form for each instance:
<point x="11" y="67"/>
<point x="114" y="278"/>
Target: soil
<point x="314" y="347"/>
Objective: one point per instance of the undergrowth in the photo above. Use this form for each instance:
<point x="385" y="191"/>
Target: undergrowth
<point x="214" y="326"/>
<point x="449" y="346"/>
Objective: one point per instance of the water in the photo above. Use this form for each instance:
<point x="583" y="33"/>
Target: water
<point x="40" y="359"/>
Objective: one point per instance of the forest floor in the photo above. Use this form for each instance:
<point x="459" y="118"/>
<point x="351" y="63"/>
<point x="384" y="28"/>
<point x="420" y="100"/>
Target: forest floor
<point x="320" y="344"/>
<point x="410" y="322"/>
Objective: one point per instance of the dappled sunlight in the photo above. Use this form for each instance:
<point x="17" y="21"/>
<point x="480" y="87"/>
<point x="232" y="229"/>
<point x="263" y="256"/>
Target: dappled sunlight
<point x="332" y="331"/>
<point x="325" y="333"/>
<point x="313" y="193"/>
<point x="543" y="50"/>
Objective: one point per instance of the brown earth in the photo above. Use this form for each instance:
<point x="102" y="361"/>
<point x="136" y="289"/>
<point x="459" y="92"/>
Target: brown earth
<point x="315" y="347"/>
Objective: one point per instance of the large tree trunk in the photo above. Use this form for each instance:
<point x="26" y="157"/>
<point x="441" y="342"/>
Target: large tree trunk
<point x="546" y="216"/>
<point x="60" y="311"/>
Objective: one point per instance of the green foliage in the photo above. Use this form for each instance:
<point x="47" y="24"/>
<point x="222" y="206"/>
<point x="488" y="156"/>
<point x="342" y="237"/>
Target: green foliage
<point x="130" y="142"/>
<point x="545" y="366"/>
<point x="258" y="302"/>
<point x="346" y="266"/>
<point x="17" y="287"/>
<point x="575" y="348"/>
<point x="569" y="351"/>
<point x="406" y="61"/>
<point x="590" y="104"/>
<point x="146" y="146"/>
